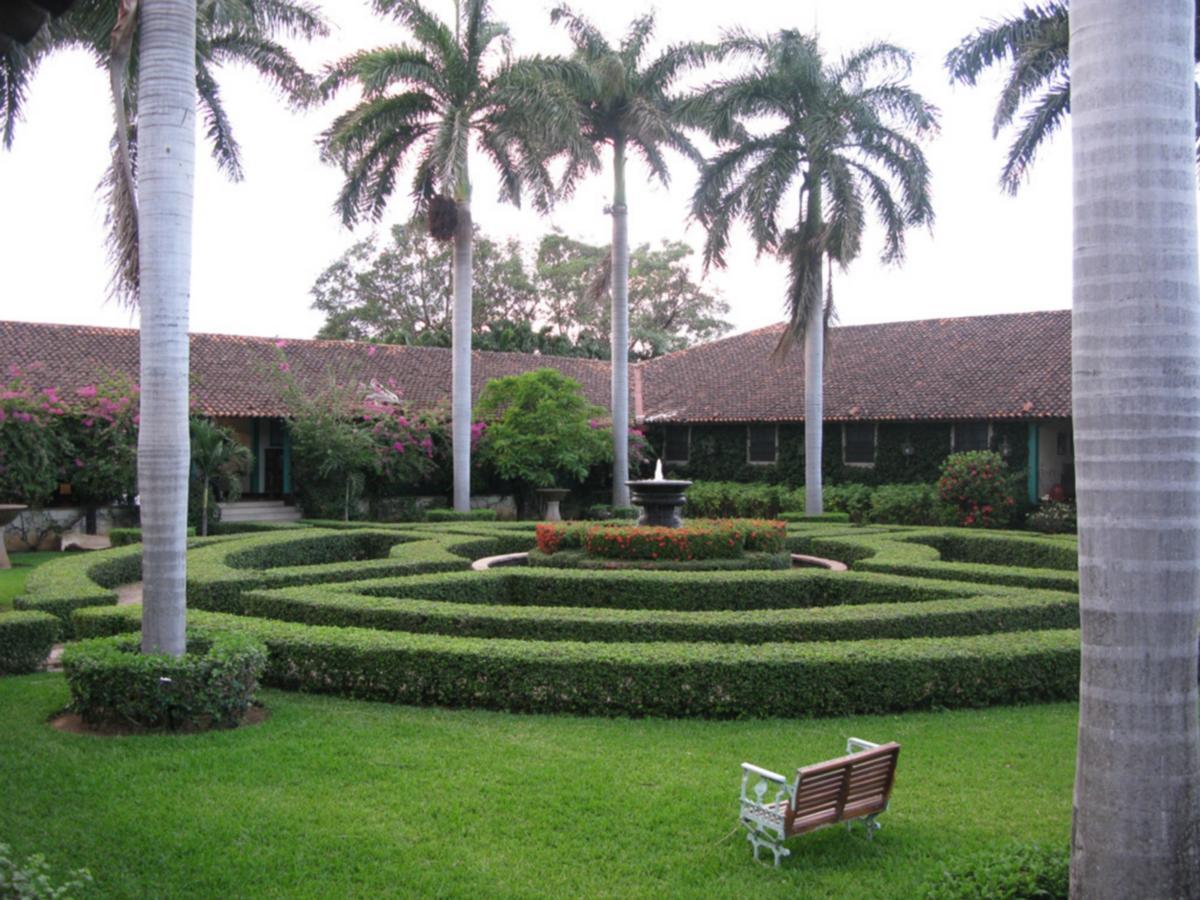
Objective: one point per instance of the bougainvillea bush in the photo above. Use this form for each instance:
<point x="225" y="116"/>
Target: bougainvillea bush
<point x="84" y="439"/>
<point x="979" y="489"/>
<point x="699" y="539"/>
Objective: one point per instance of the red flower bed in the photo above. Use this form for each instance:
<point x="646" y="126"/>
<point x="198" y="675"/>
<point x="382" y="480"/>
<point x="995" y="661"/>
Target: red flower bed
<point x="699" y="539"/>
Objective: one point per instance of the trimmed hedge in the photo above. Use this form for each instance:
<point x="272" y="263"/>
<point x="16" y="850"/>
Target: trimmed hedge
<point x="452" y="515"/>
<point x="654" y="679"/>
<point x="25" y="640"/>
<point x="123" y="537"/>
<point x="335" y="606"/>
<point x="698" y="539"/>
<point x="79" y="580"/>
<point x="212" y="685"/>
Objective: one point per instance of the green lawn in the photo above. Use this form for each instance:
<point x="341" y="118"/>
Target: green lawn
<point x="333" y="797"/>
<point x="12" y="580"/>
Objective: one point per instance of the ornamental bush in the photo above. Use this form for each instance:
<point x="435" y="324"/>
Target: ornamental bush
<point x="727" y="499"/>
<point x="978" y="487"/>
<point x="212" y="685"/>
<point x="1053" y="518"/>
<point x="716" y="539"/>
<point x="906" y="504"/>
<point x="25" y="640"/>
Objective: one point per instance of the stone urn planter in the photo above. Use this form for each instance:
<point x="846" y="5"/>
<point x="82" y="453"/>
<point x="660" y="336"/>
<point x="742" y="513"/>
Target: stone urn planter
<point x="8" y="512"/>
<point x="553" y="497"/>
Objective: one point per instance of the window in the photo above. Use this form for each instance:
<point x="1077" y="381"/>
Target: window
<point x="971" y="436"/>
<point x="858" y="444"/>
<point x="676" y="443"/>
<point x="762" y="444"/>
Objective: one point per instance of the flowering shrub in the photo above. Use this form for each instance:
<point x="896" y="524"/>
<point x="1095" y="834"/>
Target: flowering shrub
<point x="699" y="539"/>
<point x="978" y="487"/>
<point x="1053" y="518"/>
<point x="86" y="439"/>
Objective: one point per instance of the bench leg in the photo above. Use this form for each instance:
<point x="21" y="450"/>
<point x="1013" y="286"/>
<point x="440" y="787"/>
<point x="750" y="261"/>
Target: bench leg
<point x="872" y="826"/>
<point x="757" y="839"/>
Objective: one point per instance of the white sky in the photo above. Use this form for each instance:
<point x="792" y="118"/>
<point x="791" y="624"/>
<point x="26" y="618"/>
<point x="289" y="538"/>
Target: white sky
<point x="260" y="244"/>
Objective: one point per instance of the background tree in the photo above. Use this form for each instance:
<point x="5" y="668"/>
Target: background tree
<point x="455" y="87"/>
<point x="245" y="32"/>
<point x="625" y="103"/>
<point x="540" y="429"/>
<point x="1035" y="47"/>
<point x="400" y="294"/>
<point x="166" y="179"/>
<point x="1136" y="394"/>
<point x="842" y="136"/>
<point x="219" y="461"/>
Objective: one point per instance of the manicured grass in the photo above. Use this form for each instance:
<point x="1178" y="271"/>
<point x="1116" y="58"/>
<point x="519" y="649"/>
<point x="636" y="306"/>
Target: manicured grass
<point x="334" y="797"/>
<point x="12" y="580"/>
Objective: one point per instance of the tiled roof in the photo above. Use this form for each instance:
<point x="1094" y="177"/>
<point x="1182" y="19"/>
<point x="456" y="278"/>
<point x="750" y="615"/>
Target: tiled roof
<point x="233" y="375"/>
<point x="982" y="367"/>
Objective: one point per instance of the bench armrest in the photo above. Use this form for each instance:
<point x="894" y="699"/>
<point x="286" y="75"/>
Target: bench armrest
<point x="857" y="745"/>
<point x="763" y="779"/>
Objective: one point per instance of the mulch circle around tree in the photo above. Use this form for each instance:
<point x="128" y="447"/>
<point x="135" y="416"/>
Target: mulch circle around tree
<point x="72" y="723"/>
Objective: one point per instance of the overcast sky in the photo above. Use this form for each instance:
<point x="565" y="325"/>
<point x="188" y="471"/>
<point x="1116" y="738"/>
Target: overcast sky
<point x="261" y="243"/>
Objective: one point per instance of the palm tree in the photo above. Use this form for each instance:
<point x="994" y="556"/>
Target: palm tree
<point x="1136" y="367"/>
<point x="167" y="132"/>
<point x="227" y="31"/>
<point x="625" y="103"/>
<point x="218" y="461"/>
<point x="1038" y="86"/>
<point x="846" y="138"/>
<point x="454" y="88"/>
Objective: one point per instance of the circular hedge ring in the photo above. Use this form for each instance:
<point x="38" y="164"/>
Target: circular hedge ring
<point x="210" y="686"/>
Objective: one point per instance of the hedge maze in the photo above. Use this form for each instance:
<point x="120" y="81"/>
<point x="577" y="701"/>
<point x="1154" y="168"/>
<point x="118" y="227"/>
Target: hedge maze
<point x="926" y="618"/>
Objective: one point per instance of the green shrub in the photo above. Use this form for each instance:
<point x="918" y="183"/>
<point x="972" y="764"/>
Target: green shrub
<point x="1053" y="518"/>
<point x="253" y="527"/>
<point x="25" y="640"/>
<point x="79" y="580"/>
<point x="852" y="499"/>
<point x="979" y="487"/>
<point x="31" y="879"/>
<point x="654" y="679"/>
<point x="123" y="537"/>
<point x="452" y="515"/>
<point x="906" y="504"/>
<point x="698" y="539"/>
<point x="212" y="685"/>
<point x="731" y="499"/>
<point x="1025" y="872"/>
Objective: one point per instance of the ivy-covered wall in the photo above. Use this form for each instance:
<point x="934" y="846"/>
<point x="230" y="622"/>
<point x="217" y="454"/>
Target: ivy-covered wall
<point x="718" y="453"/>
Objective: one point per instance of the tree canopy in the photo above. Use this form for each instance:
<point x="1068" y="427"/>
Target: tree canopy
<point x="554" y="303"/>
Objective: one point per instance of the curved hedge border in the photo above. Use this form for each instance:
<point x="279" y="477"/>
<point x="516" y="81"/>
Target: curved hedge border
<point x="25" y="640"/>
<point x="803" y="642"/>
<point x="662" y="679"/>
<point x="212" y="685"/>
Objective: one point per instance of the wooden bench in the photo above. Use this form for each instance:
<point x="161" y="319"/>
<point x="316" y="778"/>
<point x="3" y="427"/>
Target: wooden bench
<point x="856" y="786"/>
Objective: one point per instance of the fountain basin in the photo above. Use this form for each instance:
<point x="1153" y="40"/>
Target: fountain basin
<point x="661" y="500"/>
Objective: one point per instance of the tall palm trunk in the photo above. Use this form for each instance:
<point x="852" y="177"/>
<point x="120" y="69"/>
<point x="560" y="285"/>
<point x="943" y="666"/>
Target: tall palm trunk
<point x="814" y="358"/>
<point x="461" y="343"/>
<point x="1136" y="388"/>
<point x="166" y="170"/>
<point x="620" y="329"/>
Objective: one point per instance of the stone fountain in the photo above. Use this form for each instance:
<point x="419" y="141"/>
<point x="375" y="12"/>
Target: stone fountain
<point x="661" y="499"/>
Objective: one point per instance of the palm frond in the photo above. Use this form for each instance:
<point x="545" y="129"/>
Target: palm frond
<point x="217" y="127"/>
<point x="274" y="63"/>
<point x="641" y="29"/>
<point x="586" y="37"/>
<point x="1004" y="39"/>
<point x="1038" y="125"/>
<point x="375" y="71"/>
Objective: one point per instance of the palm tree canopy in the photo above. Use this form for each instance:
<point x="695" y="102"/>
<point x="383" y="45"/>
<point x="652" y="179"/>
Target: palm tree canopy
<point x="842" y="137"/>
<point x="431" y="98"/>
<point x="227" y="31"/>
<point x="1036" y="96"/>
<point x="624" y="97"/>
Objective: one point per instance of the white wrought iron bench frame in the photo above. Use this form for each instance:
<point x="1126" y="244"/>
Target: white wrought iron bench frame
<point x="766" y="817"/>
